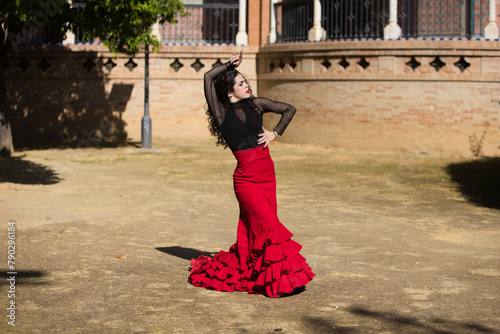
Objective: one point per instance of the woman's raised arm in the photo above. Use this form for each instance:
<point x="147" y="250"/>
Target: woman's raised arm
<point x="213" y="102"/>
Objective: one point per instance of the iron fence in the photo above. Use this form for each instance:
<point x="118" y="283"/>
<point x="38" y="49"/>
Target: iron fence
<point x="443" y="18"/>
<point x="207" y="23"/>
<point x="354" y="18"/>
<point x="346" y="19"/>
<point x="212" y="23"/>
<point x="294" y="19"/>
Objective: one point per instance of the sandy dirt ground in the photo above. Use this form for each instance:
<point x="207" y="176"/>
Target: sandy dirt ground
<point x="399" y="243"/>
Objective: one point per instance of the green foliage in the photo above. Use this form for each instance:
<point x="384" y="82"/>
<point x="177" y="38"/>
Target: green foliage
<point x="122" y="25"/>
<point x="26" y="17"/>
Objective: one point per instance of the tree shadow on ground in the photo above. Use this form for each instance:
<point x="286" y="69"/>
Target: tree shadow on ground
<point x="411" y="324"/>
<point x="321" y="325"/>
<point x="59" y="98"/>
<point x="478" y="181"/>
<point x="184" y="253"/>
<point x="16" y="170"/>
<point x="379" y="321"/>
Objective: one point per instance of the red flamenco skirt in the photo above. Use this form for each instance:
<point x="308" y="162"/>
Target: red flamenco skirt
<point x="264" y="260"/>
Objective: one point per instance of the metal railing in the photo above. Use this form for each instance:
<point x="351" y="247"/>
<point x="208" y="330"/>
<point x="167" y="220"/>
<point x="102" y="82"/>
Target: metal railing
<point x="217" y="23"/>
<point x="346" y="19"/>
<point x="354" y="18"/>
<point x="294" y="19"/>
<point x="209" y="23"/>
<point x="440" y="18"/>
<point x="36" y="36"/>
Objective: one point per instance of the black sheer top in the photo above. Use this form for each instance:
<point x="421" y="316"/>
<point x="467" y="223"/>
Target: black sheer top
<point x="242" y="122"/>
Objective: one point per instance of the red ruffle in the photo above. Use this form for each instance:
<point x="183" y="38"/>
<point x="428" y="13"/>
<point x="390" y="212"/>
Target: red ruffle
<point x="275" y="267"/>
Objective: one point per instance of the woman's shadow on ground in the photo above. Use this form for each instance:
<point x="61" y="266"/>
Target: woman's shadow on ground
<point x="478" y="181"/>
<point x="183" y="252"/>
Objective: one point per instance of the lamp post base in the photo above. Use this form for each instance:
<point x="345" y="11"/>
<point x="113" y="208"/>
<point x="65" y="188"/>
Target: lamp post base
<point x="146" y="132"/>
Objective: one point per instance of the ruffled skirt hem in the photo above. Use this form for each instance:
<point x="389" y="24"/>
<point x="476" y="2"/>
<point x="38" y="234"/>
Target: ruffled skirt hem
<point x="274" y="270"/>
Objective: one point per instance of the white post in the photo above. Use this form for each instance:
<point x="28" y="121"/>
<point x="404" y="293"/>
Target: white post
<point x="155" y="31"/>
<point x="392" y="30"/>
<point x="491" y="30"/>
<point x="242" y="36"/>
<point x="272" y="29"/>
<point x="317" y="33"/>
<point x="70" y="37"/>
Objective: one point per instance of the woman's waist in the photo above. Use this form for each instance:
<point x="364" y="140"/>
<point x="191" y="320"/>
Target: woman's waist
<point x="253" y="162"/>
<point x="252" y="154"/>
<point x="242" y="143"/>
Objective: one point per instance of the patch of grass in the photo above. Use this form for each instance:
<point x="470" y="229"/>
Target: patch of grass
<point x="87" y="162"/>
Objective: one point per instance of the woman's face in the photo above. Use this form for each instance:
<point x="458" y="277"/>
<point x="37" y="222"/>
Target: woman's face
<point x="241" y="90"/>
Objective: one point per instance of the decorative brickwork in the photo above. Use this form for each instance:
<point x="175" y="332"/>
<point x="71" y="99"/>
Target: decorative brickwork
<point x="87" y="97"/>
<point x="425" y="96"/>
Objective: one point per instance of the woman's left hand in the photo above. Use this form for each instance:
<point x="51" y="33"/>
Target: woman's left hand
<point x="236" y="59"/>
<point x="266" y="137"/>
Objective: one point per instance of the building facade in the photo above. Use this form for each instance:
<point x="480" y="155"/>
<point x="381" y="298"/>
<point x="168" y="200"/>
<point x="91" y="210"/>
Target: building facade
<point x="413" y="76"/>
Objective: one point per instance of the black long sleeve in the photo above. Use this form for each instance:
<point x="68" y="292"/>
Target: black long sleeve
<point x="213" y="102"/>
<point x="286" y="111"/>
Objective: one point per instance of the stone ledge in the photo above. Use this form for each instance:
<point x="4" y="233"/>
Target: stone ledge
<point x="389" y="47"/>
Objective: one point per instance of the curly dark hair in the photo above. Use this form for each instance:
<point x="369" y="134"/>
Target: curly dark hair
<point x="224" y="83"/>
<point x="214" y="130"/>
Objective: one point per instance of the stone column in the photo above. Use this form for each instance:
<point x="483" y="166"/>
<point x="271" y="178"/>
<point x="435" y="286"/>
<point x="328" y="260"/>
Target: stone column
<point x="155" y="31"/>
<point x="272" y="29"/>
<point x="491" y="30"/>
<point x="392" y="30"/>
<point x="70" y="37"/>
<point x="317" y="33"/>
<point x="242" y="36"/>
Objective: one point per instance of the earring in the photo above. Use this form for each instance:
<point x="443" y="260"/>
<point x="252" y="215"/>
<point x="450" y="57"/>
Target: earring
<point x="230" y="96"/>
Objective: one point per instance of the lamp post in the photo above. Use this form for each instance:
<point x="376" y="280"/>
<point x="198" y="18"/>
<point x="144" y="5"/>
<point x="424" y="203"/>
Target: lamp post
<point x="146" y="120"/>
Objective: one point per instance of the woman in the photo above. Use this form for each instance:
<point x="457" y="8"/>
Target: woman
<point x="264" y="260"/>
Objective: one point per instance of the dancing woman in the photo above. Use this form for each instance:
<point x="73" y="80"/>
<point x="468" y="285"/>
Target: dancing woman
<point x="264" y="259"/>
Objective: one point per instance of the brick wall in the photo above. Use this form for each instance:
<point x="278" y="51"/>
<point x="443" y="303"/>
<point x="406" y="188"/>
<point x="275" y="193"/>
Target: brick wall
<point x="69" y="104"/>
<point x="387" y="95"/>
<point x="259" y="20"/>
<point x="380" y="95"/>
